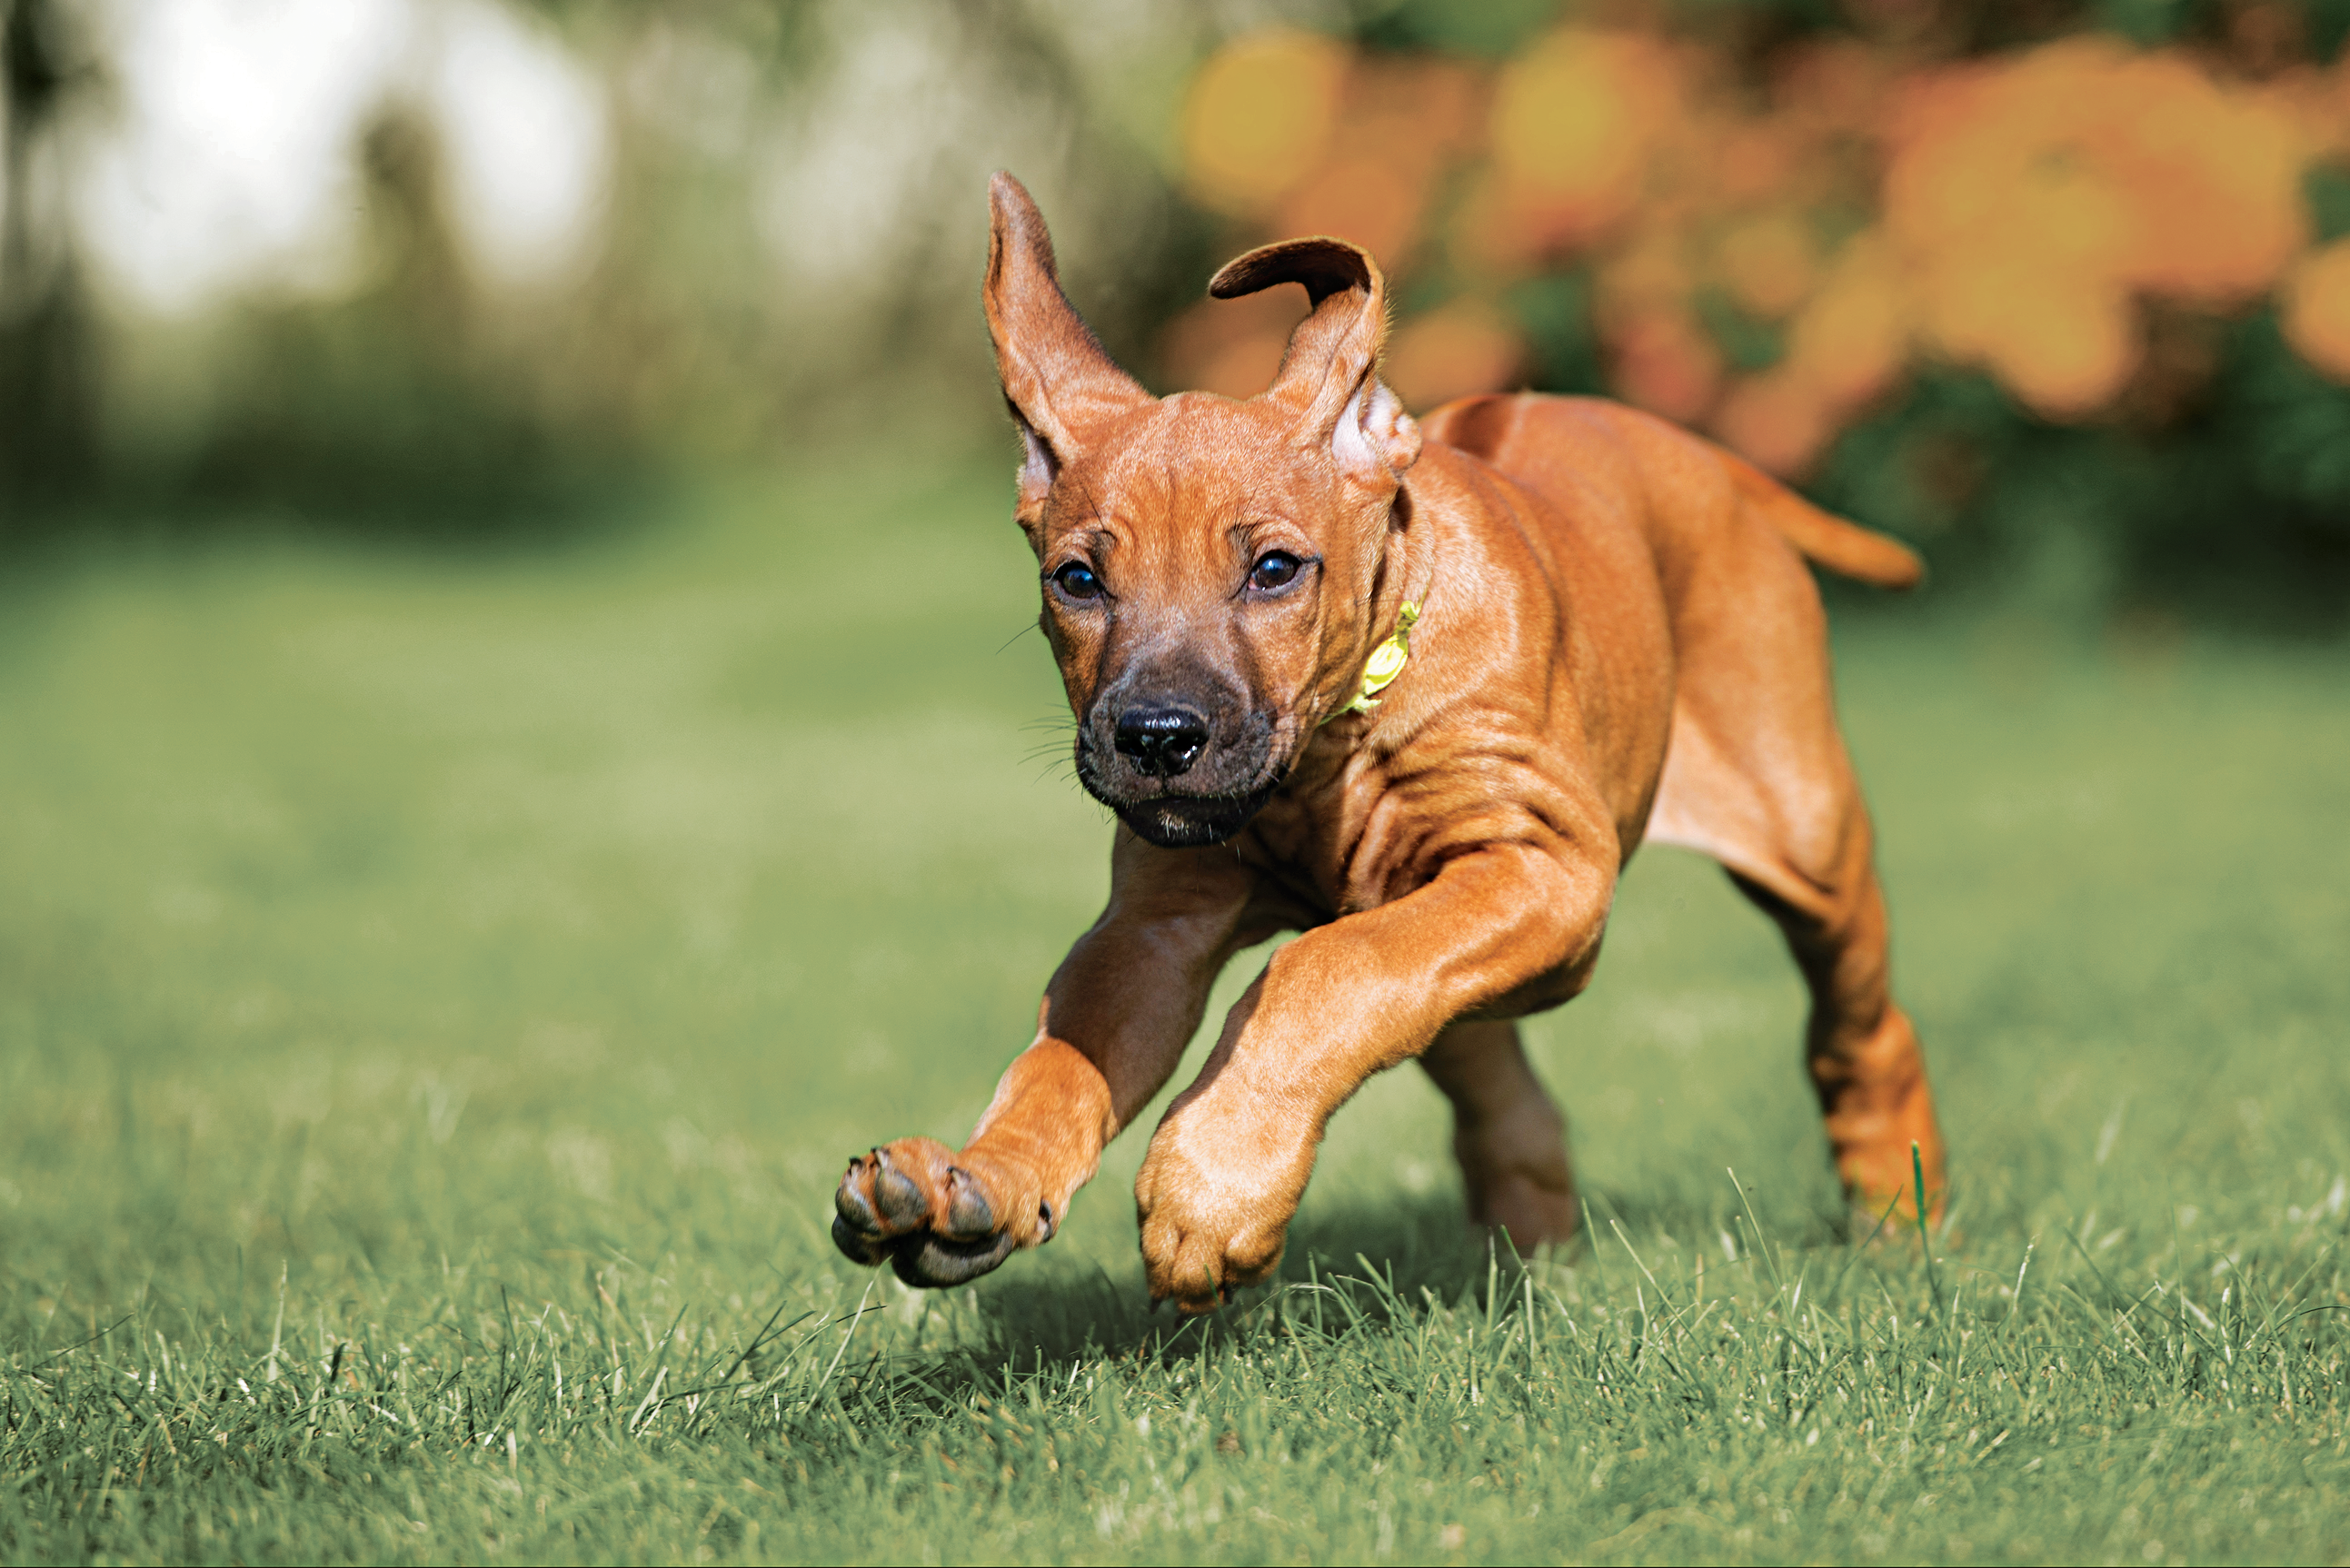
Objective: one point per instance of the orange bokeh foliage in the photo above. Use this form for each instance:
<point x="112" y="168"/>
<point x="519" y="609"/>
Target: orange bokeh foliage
<point x="2035" y="199"/>
<point x="1775" y="418"/>
<point x="1396" y="128"/>
<point x="1258" y="117"/>
<point x="1450" y="352"/>
<point x="2317" y="309"/>
<point x="1865" y="209"/>
<point x="1232" y="347"/>
<point x="1576" y="123"/>
<point x="1382" y="131"/>
<point x="1665" y="363"/>
<point x="1769" y="262"/>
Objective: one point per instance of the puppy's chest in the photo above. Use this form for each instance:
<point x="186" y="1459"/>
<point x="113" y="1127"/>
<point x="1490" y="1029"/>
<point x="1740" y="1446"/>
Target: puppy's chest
<point x="1311" y="840"/>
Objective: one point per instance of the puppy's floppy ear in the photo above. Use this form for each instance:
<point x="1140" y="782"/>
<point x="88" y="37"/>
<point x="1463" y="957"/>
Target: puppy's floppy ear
<point x="1330" y="373"/>
<point x="1062" y="385"/>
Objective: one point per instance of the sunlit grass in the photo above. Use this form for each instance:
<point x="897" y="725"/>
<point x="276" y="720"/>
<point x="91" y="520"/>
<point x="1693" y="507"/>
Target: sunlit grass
<point x="435" y="1001"/>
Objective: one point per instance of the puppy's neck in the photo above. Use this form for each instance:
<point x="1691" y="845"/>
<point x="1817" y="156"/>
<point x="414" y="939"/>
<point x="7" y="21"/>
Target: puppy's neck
<point x="1407" y="567"/>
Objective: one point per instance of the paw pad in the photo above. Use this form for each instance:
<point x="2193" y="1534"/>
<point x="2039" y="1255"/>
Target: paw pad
<point x="883" y="1214"/>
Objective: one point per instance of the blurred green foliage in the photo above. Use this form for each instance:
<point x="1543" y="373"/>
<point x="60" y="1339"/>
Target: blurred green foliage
<point x="419" y="398"/>
<point x="2239" y="514"/>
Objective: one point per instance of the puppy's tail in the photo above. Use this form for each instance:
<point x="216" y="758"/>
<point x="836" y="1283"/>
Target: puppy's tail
<point x="1845" y="548"/>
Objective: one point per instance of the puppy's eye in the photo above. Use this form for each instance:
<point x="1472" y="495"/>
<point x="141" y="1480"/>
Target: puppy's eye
<point x="1077" y="580"/>
<point x="1273" y="569"/>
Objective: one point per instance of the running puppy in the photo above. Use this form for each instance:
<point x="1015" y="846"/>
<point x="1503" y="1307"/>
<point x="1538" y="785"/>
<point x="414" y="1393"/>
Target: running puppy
<point x="1417" y="689"/>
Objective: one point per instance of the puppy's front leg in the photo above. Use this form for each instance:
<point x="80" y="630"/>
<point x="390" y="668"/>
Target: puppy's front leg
<point x="1113" y="1024"/>
<point x="1228" y="1165"/>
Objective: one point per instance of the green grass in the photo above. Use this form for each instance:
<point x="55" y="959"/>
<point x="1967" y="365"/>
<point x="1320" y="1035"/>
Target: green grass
<point x="436" y="1003"/>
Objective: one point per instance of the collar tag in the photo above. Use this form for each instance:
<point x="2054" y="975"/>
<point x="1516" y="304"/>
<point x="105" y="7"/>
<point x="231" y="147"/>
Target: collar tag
<point x="1387" y="662"/>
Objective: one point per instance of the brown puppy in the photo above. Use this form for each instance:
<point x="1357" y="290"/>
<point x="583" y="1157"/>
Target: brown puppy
<point x="1615" y="639"/>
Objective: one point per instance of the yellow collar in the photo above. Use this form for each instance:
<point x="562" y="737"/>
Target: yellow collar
<point x="1385" y="662"/>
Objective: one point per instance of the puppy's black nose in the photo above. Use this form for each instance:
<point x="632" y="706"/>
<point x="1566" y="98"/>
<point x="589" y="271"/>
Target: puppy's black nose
<point x="1162" y="742"/>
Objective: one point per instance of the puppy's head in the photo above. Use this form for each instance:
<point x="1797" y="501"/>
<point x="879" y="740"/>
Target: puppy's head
<point x="1209" y="566"/>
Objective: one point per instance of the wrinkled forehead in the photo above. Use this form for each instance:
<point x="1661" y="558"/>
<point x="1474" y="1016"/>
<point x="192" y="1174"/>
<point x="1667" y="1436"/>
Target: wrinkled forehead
<point x="1192" y="461"/>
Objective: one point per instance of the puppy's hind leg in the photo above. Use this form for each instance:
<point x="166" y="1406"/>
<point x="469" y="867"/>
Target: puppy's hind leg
<point x="1795" y="837"/>
<point x="1509" y="1138"/>
<point x="1756" y="775"/>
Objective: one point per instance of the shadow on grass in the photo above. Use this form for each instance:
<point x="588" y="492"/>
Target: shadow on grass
<point x="1419" y="1251"/>
<point x="1041" y="1315"/>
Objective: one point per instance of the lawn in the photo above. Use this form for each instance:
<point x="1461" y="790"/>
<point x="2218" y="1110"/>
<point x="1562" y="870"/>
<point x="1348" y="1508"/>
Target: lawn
<point x="437" y="997"/>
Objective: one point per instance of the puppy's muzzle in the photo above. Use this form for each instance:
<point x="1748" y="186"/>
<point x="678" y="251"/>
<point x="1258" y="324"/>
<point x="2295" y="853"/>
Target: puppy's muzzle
<point x="1161" y="742"/>
<point x="1182" y="757"/>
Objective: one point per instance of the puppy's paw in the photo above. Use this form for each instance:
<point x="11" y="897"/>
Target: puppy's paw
<point x="1533" y="1208"/>
<point x="1881" y="1179"/>
<point x="935" y="1221"/>
<point x="1210" y="1227"/>
<point x="1517" y="1179"/>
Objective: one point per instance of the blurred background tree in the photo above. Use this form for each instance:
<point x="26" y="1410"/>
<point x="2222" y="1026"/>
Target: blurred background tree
<point x="46" y="418"/>
<point x="2059" y="288"/>
<point x="460" y="267"/>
